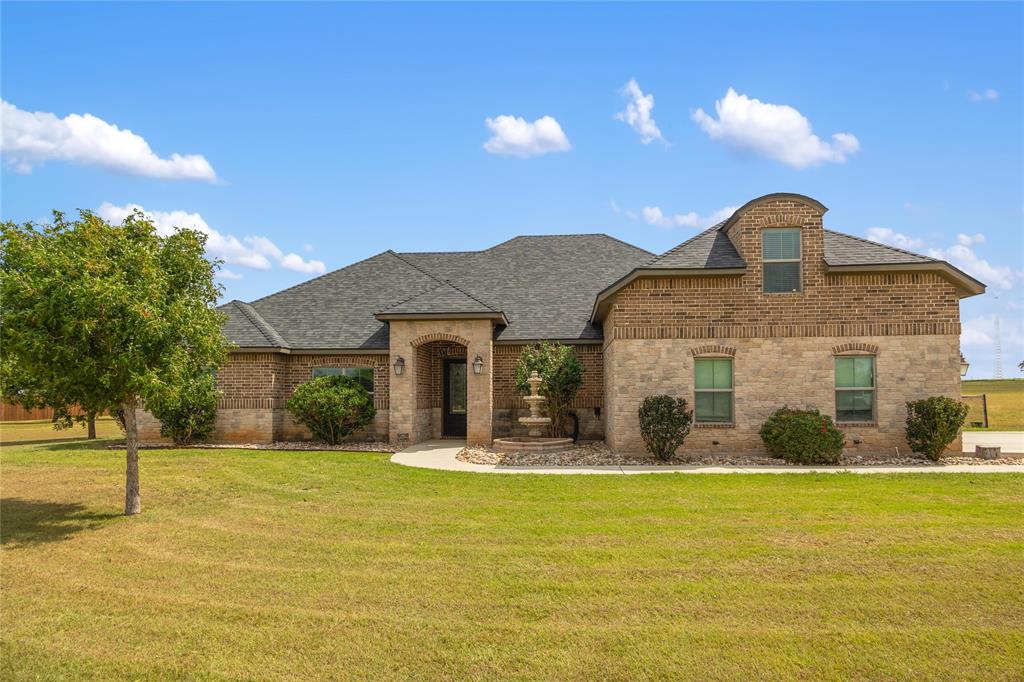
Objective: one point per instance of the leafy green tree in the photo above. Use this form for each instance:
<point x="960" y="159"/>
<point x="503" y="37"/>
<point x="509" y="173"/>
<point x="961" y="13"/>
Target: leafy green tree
<point x="562" y="372"/>
<point x="108" y="317"/>
<point x="332" y="407"/>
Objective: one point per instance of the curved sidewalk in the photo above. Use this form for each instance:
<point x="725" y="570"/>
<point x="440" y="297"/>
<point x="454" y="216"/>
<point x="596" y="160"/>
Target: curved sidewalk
<point x="440" y="454"/>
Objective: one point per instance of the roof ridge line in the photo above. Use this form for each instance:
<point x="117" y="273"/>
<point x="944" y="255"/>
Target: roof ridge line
<point x="886" y="246"/>
<point x="675" y="248"/>
<point x="443" y="281"/>
<point x="262" y="326"/>
<point x="418" y="293"/>
<point x="345" y="267"/>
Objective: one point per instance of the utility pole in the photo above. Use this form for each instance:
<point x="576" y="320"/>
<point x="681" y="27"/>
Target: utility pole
<point x="999" y="352"/>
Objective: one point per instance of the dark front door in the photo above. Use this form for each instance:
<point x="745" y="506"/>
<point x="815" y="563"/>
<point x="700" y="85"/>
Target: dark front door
<point x="454" y="407"/>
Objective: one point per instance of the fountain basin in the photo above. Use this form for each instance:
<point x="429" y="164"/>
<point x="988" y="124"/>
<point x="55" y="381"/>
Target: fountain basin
<point x="531" y="444"/>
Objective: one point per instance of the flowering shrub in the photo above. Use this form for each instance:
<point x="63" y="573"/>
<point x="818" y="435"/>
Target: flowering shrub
<point x="802" y="437"/>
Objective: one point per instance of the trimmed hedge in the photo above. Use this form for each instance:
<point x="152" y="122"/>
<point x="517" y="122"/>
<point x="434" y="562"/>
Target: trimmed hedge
<point x="802" y="437"/>
<point x="933" y="423"/>
<point x="664" y="424"/>
<point x="332" y="407"/>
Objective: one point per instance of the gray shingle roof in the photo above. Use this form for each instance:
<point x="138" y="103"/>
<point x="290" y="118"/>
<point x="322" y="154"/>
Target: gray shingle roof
<point x="844" y="249"/>
<point x="443" y="298"/>
<point x="544" y="285"/>
<point x="708" y="250"/>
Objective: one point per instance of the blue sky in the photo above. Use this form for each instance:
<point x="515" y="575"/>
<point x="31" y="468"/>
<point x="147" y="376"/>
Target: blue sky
<point x="329" y="132"/>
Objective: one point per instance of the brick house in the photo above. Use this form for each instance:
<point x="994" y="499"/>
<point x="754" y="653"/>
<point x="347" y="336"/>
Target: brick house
<point x="765" y="309"/>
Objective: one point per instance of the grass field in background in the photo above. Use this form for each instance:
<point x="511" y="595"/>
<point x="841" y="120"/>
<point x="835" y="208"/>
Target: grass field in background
<point x="40" y="431"/>
<point x="1005" y="403"/>
<point x="327" y="565"/>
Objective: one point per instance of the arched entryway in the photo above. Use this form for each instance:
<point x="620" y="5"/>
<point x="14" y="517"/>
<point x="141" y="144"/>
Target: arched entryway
<point x="441" y="389"/>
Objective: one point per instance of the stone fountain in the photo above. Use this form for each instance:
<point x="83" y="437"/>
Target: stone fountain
<point x="535" y="422"/>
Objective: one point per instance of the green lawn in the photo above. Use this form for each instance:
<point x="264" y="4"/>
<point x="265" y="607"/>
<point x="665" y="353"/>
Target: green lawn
<point x="313" y="565"/>
<point x="1005" y="403"/>
<point x="38" y="431"/>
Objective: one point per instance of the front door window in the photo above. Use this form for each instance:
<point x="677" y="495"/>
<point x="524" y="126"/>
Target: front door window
<point x="454" y="398"/>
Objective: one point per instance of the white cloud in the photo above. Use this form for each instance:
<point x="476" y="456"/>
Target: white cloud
<point x="775" y="131"/>
<point x="294" y="261"/>
<point x="655" y="216"/>
<point x="32" y="138"/>
<point x="224" y="273"/>
<point x="987" y="95"/>
<point x="885" y="235"/>
<point x="638" y="113"/>
<point x="514" y="136"/>
<point x="963" y="256"/>
<point x="252" y="251"/>
<point x="981" y="332"/>
<point x="960" y="254"/>
<point x="308" y="248"/>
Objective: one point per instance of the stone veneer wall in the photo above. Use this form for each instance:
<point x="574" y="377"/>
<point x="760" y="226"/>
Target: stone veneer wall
<point x="771" y="373"/>
<point x="411" y="421"/>
<point x="588" y="405"/>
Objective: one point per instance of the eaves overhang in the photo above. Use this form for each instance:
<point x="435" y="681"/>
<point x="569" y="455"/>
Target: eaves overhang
<point x="967" y="285"/>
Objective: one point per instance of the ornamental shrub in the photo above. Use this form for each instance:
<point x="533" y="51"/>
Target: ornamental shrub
<point x="562" y="372"/>
<point x="802" y="437"/>
<point x="664" y="424"/>
<point x="186" y="413"/>
<point x="933" y="423"/>
<point x="332" y="407"/>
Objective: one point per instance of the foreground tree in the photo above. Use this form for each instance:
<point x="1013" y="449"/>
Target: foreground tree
<point x="562" y="372"/>
<point x="107" y="317"/>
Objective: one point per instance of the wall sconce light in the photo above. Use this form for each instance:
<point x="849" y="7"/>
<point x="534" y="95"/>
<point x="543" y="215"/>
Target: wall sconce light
<point x="963" y="365"/>
<point x="478" y="365"/>
<point x="399" y="365"/>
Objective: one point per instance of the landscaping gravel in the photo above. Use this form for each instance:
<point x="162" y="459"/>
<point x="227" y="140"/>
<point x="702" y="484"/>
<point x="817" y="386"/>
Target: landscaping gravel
<point x="596" y="453"/>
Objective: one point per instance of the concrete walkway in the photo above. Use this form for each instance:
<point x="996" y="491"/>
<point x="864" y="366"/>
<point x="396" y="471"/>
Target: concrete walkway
<point x="440" y="454"/>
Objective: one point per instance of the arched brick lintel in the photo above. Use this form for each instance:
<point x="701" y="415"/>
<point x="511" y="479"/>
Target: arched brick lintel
<point x="855" y="347"/>
<point x="438" y="336"/>
<point x="713" y="349"/>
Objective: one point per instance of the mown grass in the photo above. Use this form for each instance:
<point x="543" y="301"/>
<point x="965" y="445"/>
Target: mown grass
<point x="39" y="431"/>
<point x="327" y="565"/>
<point x="1005" y="403"/>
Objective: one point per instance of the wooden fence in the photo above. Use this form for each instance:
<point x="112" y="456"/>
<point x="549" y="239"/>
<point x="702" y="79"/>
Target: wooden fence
<point x="17" y="413"/>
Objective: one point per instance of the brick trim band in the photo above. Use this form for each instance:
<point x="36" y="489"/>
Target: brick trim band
<point x="274" y="403"/>
<point x="438" y="336"/>
<point x="855" y="347"/>
<point x="789" y="330"/>
<point x="697" y="351"/>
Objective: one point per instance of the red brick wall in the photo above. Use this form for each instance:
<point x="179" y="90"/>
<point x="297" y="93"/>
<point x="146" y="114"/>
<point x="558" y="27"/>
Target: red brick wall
<point x="591" y="394"/>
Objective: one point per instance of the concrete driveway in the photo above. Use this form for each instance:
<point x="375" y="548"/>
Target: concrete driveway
<point x="1012" y="442"/>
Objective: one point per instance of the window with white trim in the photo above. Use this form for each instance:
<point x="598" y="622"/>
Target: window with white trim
<point x="712" y="390"/>
<point x="364" y="375"/>
<point x="780" y="256"/>
<point x="855" y="388"/>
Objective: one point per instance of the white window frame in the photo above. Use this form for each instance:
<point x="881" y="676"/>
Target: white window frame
<point x="800" y="260"/>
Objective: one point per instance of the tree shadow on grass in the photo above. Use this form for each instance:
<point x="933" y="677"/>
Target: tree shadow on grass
<point x="111" y="444"/>
<point x="30" y="522"/>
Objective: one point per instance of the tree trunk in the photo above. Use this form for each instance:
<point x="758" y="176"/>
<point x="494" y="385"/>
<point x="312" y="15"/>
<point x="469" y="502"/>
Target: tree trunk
<point x="91" y="421"/>
<point x="132" y="500"/>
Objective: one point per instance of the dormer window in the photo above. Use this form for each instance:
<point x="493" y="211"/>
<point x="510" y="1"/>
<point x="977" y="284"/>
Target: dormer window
<point x="780" y="255"/>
